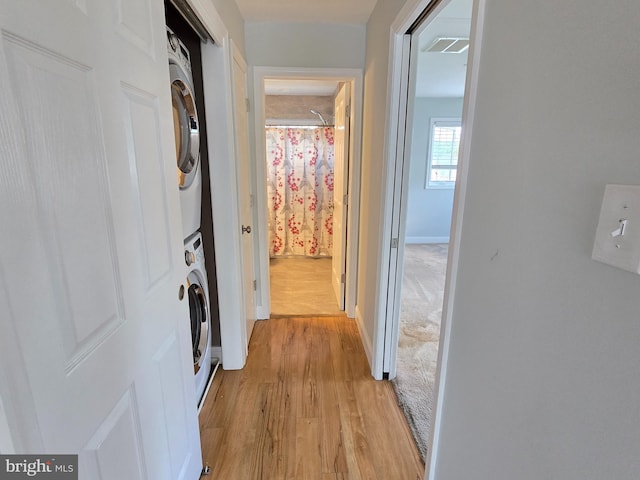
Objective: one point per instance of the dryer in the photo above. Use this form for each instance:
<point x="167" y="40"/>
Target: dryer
<point x="200" y="315"/>
<point x="187" y="134"/>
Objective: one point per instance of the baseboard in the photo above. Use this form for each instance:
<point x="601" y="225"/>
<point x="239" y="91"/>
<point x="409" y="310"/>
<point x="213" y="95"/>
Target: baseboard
<point x="426" y="240"/>
<point x="364" y="337"/>
<point x="262" y="313"/>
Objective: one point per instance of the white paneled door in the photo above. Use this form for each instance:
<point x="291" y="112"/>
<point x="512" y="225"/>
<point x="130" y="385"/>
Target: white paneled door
<point x="241" y="125"/>
<point x="95" y="342"/>
<point x="340" y="187"/>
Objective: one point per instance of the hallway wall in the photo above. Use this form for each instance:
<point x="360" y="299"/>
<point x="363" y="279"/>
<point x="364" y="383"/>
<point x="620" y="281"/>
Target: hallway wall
<point x="233" y="21"/>
<point x="543" y="377"/>
<point x="315" y="45"/>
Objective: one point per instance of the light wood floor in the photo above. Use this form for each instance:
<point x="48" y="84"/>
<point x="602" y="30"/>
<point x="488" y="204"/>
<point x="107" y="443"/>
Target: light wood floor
<point x="306" y="407"/>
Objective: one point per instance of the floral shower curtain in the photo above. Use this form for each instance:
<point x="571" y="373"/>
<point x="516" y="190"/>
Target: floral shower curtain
<point x="300" y="190"/>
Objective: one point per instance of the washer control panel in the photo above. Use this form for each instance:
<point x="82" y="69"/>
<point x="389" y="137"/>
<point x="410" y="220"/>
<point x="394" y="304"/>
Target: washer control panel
<point x="177" y="50"/>
<point x="193" y="251"/>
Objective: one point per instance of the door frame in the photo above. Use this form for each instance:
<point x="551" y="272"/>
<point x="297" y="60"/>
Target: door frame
<point x="387" y="330"/>
<point x="355" y="78"/>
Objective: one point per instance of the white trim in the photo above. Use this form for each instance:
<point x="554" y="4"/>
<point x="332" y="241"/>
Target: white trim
<point x="263" y="293"/>
<point x="398" y="220"/>
<point x="425" y="240"/>
<point x="394" y="75"/>
<point x="355" y="77"/>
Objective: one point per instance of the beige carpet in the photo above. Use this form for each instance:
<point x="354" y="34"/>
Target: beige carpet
<point x="302" y="286"/>
<point x="420" y="312"/>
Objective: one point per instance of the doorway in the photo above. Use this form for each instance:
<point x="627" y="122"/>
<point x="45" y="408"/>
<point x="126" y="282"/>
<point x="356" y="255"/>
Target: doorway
<point x="396" y="182"/>
<point x="291" y="101"/>
<point x="438" y="61"/>
<point x="300" y="165"/>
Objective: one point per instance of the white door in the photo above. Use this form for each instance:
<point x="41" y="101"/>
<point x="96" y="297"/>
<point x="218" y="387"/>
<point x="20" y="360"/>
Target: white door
<point x="340" y="182"/>
<point x="244" y="187"/>
<point x="95" y="344"/>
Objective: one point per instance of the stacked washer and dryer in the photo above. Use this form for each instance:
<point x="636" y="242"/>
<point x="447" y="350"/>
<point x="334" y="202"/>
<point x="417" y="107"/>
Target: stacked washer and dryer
<point x="187" y="137"/>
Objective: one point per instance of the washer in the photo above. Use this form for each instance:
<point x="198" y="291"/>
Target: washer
<point x="187" y="134"/>
<point x="200" y="315"/>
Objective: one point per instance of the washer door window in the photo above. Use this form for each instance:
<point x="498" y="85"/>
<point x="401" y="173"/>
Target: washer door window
<point x="199" y="312"/>
<point x="185" y="126"/>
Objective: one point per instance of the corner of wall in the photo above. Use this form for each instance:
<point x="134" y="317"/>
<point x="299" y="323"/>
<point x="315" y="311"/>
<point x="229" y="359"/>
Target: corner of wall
<point x="367" y="344"/>
<point x="233" y="21"/>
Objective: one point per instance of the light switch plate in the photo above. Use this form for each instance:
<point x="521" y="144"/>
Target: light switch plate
<point x="617" y="240"/>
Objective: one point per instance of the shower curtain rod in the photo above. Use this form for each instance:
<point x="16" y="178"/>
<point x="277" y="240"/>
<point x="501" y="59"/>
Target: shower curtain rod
<point x="298" y="126"/>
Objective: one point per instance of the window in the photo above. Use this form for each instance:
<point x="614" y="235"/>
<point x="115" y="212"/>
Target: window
<point x="442" y="160"/>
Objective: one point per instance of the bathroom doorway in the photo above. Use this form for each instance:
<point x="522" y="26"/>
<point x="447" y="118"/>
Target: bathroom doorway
<point x="298" y="121"/>
<point x="300" y="167"/>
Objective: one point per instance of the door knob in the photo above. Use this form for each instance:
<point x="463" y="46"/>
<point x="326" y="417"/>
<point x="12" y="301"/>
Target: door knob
<point x="246" y="229"/>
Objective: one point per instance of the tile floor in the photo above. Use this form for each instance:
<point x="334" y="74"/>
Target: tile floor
<point x="302" y="286"/>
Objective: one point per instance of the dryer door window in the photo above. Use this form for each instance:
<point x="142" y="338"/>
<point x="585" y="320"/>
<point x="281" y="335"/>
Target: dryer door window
<point x="199" y="326"/>
<point x="186" y="130"/>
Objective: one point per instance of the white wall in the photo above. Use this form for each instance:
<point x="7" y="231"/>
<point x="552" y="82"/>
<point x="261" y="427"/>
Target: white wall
<point x="6" y="442"/>
<point x="233" y="21"/>
<point x="543" y="378"/>
<point x="311" y="45"/>
<point x="373" y="136"/>
<point x="428" y="209"/>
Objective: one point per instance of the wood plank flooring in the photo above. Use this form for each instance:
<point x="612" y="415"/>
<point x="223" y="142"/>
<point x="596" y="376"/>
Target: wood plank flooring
<point x="306" y="407"/>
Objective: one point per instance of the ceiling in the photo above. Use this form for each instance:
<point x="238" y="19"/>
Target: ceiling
<point x="443" y="74"/>
<point x="438" y="74"/>
<point x="316" y="11"/>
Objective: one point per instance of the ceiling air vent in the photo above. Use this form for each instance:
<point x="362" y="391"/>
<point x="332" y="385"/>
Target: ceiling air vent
<point x="447" y="45"/>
